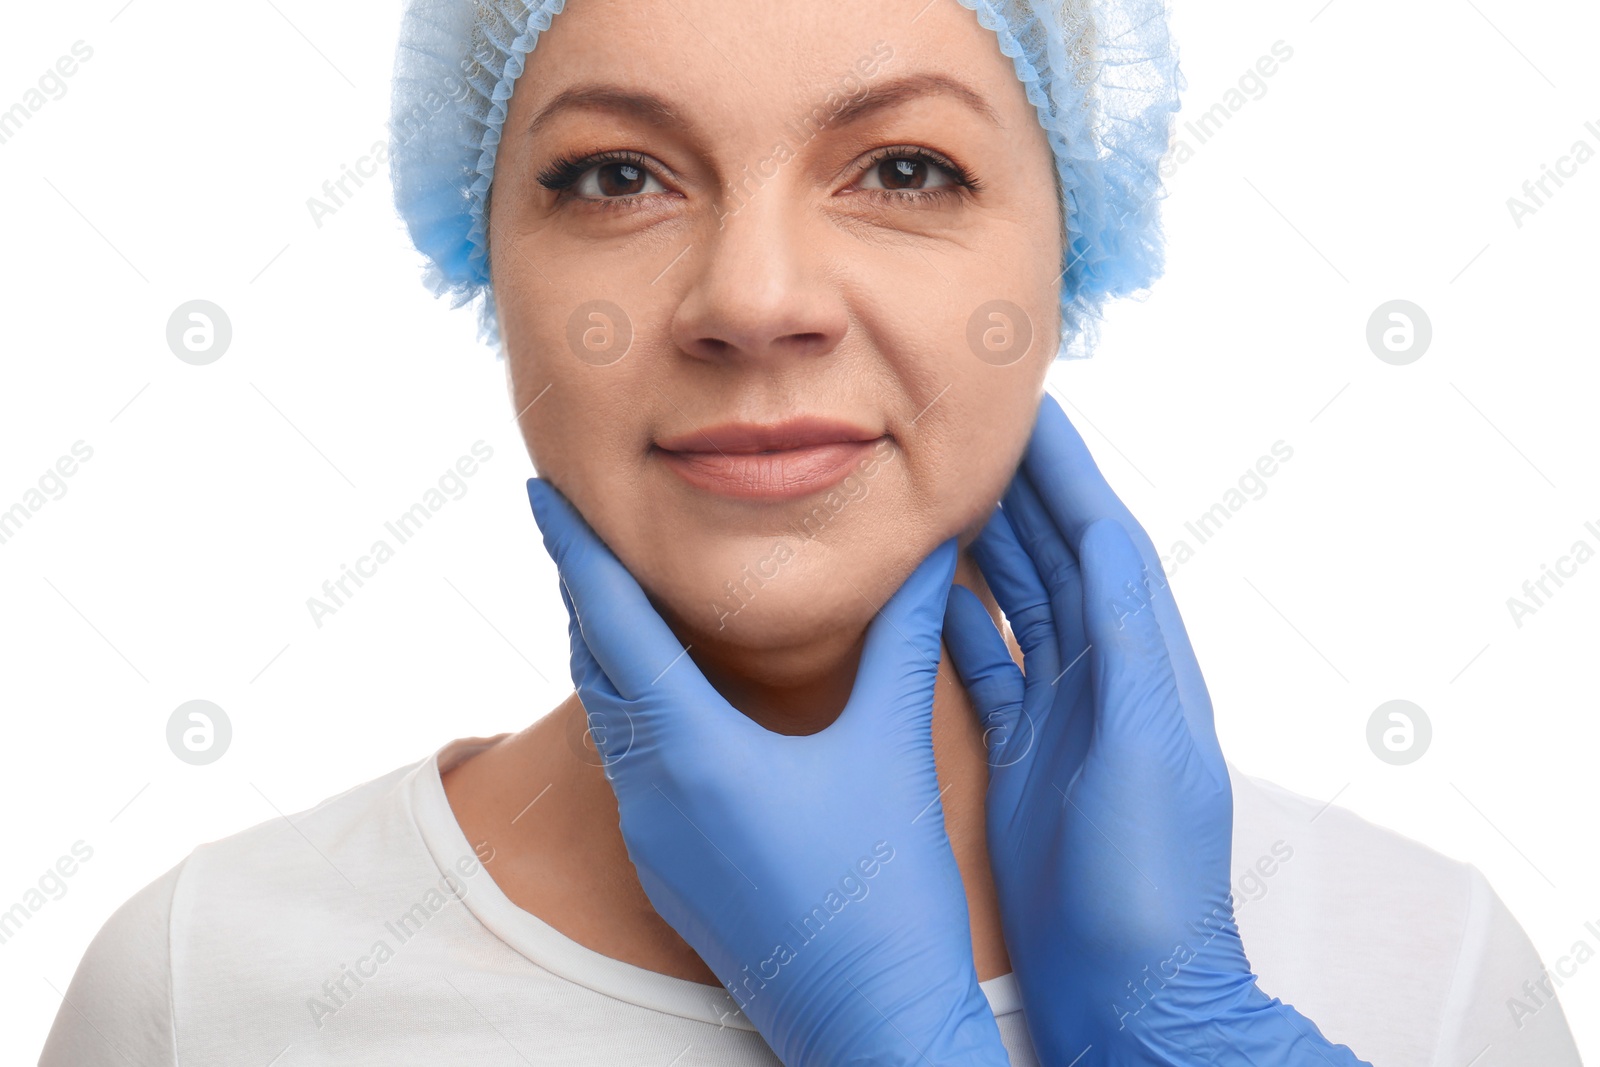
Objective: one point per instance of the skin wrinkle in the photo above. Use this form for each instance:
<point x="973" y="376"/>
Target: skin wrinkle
<point x="647" y="106"/>
<point x="818" y="296"/>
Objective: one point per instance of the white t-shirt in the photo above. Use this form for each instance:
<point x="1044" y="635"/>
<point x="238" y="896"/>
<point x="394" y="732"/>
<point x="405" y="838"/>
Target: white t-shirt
<point x="364" y="931"/>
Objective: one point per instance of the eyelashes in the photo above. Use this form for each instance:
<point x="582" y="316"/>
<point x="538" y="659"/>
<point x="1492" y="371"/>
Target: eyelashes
<point x="563" y="173"/>
<point x="569" y="177"/>
<point x="915" y="156"/>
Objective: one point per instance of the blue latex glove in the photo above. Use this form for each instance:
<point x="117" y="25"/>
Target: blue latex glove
<point x="812" y="874"/>
<point x="1110" y="812"/>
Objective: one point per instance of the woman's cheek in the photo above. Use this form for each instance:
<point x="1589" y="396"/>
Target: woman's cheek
<point x="978" y="452"/>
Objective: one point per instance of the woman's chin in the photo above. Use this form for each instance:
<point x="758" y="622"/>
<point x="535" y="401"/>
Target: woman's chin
<point x="784" y="599"/>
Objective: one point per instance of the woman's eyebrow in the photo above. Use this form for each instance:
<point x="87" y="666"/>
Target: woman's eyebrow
<point x="602" y="97"/>
<point x="657" y="111"/>
<point x="909" y="87"/>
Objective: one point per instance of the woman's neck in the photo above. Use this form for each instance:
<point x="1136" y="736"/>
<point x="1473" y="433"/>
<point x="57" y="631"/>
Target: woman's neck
<point x="564" y="860"/>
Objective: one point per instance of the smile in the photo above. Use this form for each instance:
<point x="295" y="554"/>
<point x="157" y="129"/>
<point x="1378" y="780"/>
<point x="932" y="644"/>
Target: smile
<point x="780" y="461"/>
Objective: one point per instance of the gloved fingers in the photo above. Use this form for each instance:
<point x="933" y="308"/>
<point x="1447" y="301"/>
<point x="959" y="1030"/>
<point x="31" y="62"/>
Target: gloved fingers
<point x="1015" y="584"/>
<point x="619" y="626"/>
<point x="611" y="726"/>
<point x="1049" y="548"/>
<point x="985" y="666"/>
<point x="586" y="673"/>
<point x="1139" y="716"/>
<point x="1075" y="494"/>
<point x="894" y="682"/>
<point x="1058" y="717"/>
<point x="1055" y="561"/>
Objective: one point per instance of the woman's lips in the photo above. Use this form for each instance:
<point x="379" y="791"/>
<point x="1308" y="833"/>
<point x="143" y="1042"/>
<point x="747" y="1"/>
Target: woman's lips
<point x="781" y="475"/>
<point x="779" y="461"/>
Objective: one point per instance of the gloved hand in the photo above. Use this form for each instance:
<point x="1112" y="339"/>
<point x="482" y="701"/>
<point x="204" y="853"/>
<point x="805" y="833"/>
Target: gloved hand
<point x="1110" y="813"/>
<point x="812" y="874"/>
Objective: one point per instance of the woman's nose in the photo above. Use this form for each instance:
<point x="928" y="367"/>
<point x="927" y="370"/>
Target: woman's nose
<point x="759" y="288"/>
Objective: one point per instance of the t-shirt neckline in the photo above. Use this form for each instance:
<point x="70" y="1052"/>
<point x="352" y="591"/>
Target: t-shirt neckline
<point x="548" y="948"/>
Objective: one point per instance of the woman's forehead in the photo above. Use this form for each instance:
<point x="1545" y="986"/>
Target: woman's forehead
<point x="779" y="54"/>
<point x="744" y="34"/>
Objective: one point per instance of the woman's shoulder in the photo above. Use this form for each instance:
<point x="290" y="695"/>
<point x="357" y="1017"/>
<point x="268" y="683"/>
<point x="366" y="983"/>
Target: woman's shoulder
<point x="1310" y="870"/>
<point x="235" y="912"/>
<point x="118" y="1008"/>
<point x="296" y="872"/>
<point x="1378" y="936"/>
<point x="1309" y="874"/>
<point x="1322" y="832"/>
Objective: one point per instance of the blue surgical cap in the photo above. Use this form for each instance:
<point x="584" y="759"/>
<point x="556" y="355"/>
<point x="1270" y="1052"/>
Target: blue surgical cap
<point x="1102" y="74"/>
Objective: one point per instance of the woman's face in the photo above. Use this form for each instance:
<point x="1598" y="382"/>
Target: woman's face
<point x="777" y="285"/>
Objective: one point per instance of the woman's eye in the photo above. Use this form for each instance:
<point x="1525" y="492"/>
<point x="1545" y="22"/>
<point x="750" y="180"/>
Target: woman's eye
<point x="612" y="180"/>
<point x="906" y="173"/>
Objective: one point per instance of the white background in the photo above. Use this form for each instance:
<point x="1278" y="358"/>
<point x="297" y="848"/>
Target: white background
<point x="1377" y="566"/>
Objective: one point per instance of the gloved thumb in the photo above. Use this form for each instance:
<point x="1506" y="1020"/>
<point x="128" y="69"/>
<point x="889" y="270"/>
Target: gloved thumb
<point x="619" y="626"/>
<point x="900" y="662"/>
